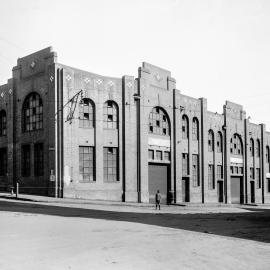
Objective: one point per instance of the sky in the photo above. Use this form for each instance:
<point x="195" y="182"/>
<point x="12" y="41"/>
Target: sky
<point x="215" y="49"/>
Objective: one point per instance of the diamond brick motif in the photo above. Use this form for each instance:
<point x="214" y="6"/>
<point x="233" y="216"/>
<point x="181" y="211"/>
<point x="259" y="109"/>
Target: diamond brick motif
<point x="99" y="81"/>
<point x="157" y="76"/>
<point x="129" y="84"/>
<point x="2" y="94"/>
<point x="110" y="83"/>
<point x="51" y="78"/>
<point x="68" y="77"/>
<point x="10" y="91"/>
<point x="33" y="64"/>
<point x="87" y="80"/>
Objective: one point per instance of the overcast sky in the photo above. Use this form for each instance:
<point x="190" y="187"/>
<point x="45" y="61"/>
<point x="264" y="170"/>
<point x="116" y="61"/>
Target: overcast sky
<point x="215" y="49"/>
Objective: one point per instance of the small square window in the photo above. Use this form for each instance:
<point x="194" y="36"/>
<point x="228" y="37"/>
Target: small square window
<point x="158" y="123"/>
<point x="86" y="116"/>
<point x="151" y="154"/>
<point x="159" y="155"/>
<point x="151" y="129"/>
<point x="110" y="104"/>
<point x="167" y="156"/>
<point x="231" y="169"/>
<point x="164" y="131"/>
<point x="110" y="117"/>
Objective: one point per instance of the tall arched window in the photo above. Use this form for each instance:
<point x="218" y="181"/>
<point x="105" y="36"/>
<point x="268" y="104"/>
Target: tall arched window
<point x="219" y="142"/>
<point x="159" y="122"/>
<point x="267" y="154"/>
<point x="185" y="134"/>
<point x="195" y="129"/>
<point x="210" y="141"/>
<point x="32" y="113"/>
<point x="110" y="115"/>
<point x="3" y="123"/>
<point x="236" y="146"/>
<point x="258" y="152"/>
<point x="86" y="113"/>
<point x="251" y="148"/>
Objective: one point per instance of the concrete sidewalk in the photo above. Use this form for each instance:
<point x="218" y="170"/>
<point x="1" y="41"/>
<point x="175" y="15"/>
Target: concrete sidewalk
<point x="129" y="206"/>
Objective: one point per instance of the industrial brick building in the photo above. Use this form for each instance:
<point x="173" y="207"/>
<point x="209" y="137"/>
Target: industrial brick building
<point x="70" y="133"/>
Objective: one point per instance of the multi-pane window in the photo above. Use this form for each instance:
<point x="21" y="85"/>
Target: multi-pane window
<point x="185" y="127"/>
<point x="86" y="113"/>
<point x="251" y="147"/>
<point x="32" y="113"/>
<point x="258" y="178"/>
<point x="236" y="147"/>
<point x="211" y="178"/>
<point x="3" y="123"/>
<point x="195" y="129"/>
<point x="3" y="161"/>
<point x="195" y="170"/>
<point x="267" y="158"/>
<point x="110" y="164"/>
<point x="252" y="174"/>
<point x="110" y="115"/>
<point x="26" y="160"/>
<point x="258" y="148"/>
<point x="159" y="155"/>
<point x="219" y="142"/>
<point x="38" y="159"/>
<point x="167" y="156"/>
<point x="184" y="164"/>
<point x="267" y="155"/>
<point x="219" y="172"/>
<point x="86" y="163"/>
<point x="159" y="122"/>
<point x="151" y="154"/>
<point x="210" y="141"/>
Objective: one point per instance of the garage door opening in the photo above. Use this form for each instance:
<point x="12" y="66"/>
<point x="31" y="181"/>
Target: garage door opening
<point x="237" y="190"/>
<point x="158" y="177"/>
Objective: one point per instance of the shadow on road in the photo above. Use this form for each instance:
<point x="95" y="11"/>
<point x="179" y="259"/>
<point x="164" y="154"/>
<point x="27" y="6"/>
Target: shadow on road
<point x="254" y="225"/>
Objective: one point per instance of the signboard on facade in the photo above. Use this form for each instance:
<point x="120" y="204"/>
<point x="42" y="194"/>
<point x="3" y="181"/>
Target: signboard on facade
<point x="159" y="142"/>
<point x="236" y="160"/>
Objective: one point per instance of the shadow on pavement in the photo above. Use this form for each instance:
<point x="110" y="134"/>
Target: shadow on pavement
<point x="253" y="225"/>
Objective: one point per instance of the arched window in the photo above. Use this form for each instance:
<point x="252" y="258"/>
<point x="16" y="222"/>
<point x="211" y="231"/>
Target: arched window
<point x="86" y="113"/>
<point x="236" y="146"/>
<point x="32" y="113"/>
<point x="258" y="152"/>
<point x="185" y="127"/>
<point x="195" y="129"/>
<point x="3" y="123"/>
<point x="251" y="148"/>
<point x="267" y="154"/>
<point x="210" y="141"/>
<point x="159" y="122"/>
<point x="110" y="115"/>
<point x="219" y="142"/>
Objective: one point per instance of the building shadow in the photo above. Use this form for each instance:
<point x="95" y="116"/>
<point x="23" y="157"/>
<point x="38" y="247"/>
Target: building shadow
<point x="253" y="225"/>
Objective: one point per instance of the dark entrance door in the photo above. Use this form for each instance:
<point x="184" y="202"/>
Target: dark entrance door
<point x="185" y="189"/>
<point x="252" y="191"/>
<point x="158" y="176"/>
<point x="220" y="191"/>
<point x="237" y="195"/>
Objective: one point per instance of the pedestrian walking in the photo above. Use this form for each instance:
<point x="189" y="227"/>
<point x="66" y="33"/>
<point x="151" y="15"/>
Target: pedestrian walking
<point x="158" y="200"/>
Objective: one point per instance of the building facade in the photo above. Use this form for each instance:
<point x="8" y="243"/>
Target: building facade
<point x="70" y="133"/>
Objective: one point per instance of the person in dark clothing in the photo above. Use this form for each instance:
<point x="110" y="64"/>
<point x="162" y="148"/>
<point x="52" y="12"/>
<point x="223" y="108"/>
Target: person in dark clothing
<point x="158" y="200"/>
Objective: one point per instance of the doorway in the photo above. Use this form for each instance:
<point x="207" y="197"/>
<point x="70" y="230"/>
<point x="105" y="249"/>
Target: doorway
<point x="220" y="191"/>
<point x="237" y="191"/>
<point x="158" y="177"/>
<point x="185" y="189"/>
<point x="252" y="191"/>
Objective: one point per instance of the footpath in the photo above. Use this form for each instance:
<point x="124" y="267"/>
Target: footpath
<point x="129" y="206"/>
